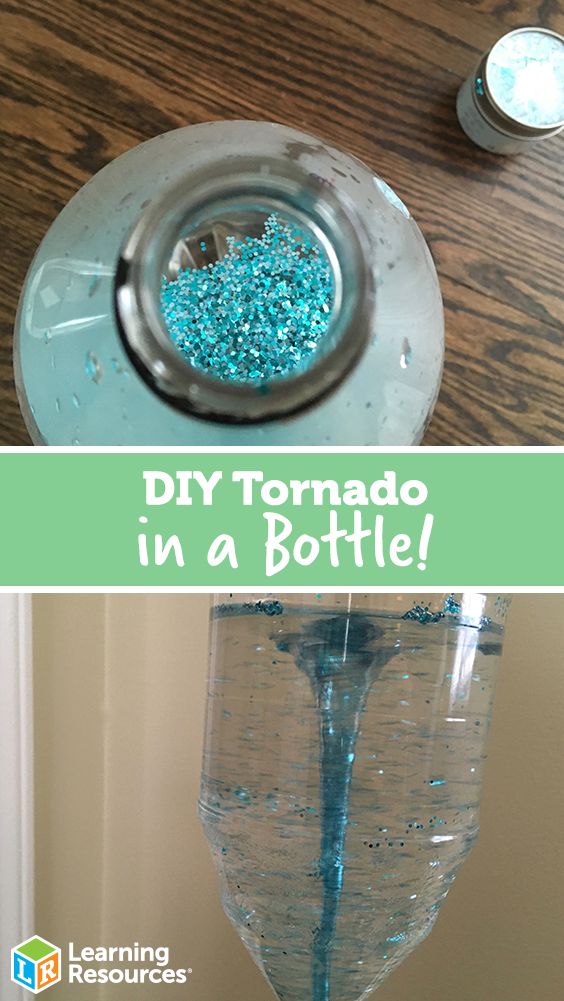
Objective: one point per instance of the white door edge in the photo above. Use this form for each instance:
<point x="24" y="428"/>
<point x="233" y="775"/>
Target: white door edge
<point x="16" y="782"/>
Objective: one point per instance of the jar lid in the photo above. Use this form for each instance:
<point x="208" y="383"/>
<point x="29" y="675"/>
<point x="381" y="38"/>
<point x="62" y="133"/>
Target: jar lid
<point x="524" y="76"/>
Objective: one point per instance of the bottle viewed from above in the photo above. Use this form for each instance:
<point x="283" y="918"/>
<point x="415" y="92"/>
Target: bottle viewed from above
<point x="234" y="283"/>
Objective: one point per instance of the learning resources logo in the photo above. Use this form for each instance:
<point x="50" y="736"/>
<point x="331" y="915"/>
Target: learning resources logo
<point x="36" y="965"/>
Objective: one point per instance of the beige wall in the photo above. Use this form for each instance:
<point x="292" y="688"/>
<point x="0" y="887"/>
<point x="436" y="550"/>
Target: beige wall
<point x="119" y="697"/>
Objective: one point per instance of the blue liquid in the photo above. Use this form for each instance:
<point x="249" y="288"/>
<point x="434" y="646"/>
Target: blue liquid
<point x="340" y="785"/>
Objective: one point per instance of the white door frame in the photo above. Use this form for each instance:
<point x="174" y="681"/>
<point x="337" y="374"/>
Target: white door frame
<point x="16" y="781"/>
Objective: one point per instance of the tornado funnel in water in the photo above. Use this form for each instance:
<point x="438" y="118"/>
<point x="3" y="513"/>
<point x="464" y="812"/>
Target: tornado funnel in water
<point x="341" y="775"/>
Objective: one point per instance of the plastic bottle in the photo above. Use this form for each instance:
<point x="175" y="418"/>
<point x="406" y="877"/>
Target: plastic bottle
<point x="341" y="776"/>
<point x="95" y="363"/>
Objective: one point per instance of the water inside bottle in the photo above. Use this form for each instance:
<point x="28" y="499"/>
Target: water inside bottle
<point x="341" y="782"/>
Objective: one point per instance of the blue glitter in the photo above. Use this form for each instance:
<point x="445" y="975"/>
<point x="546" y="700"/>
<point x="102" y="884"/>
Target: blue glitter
<point x="422" y="614"/>
<point x="92" y="367"/>
<point x="451" y="606"/>
<point x="270" y="607"/>
<point x="258" y="313"/>
<point x="273" y="607"/>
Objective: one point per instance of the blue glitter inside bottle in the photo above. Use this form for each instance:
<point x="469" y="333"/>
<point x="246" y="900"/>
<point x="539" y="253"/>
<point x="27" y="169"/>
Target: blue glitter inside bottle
<point x="257" y="313"/>
<point x="341" y="776"/>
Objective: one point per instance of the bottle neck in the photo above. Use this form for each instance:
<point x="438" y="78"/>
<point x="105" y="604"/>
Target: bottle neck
<point x="235" y="195"/>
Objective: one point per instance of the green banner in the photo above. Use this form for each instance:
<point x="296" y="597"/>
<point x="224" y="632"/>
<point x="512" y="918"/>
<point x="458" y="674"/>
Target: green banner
<point x="418" y="519"/>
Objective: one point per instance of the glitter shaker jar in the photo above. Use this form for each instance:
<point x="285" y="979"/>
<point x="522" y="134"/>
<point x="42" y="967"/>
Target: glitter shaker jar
<point x="342" y="770"/>
<point x="95" y="360"/>
<point x="515" y="96"/>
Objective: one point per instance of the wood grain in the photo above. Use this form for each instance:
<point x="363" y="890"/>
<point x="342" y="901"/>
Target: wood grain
<point x="82" y="82"/>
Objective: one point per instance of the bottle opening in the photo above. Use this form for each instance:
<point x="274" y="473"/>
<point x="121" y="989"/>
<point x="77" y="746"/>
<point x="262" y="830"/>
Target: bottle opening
<point x="244" y="294"/>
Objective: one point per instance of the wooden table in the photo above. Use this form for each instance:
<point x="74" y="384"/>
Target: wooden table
<point x="84" y="80"/>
